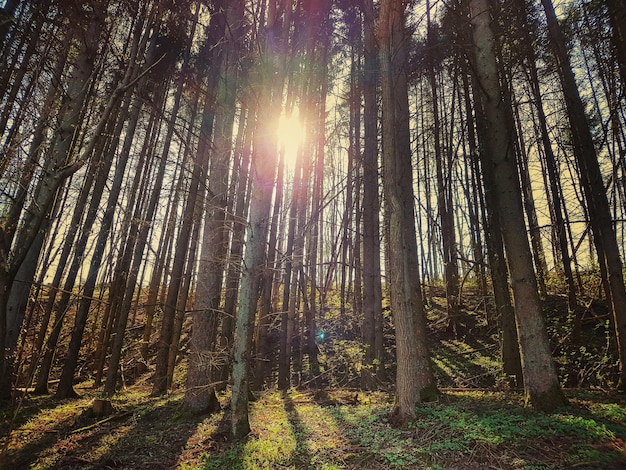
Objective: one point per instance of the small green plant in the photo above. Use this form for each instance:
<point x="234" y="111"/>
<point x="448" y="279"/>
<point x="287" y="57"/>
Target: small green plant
<point x="400" y="459"/>
<point x="609" y="411"/>
<point x="230" y="459"/>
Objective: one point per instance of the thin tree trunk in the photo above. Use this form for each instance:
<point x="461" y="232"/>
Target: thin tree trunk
<point x="617" y="17"/>
<point x="263" y="344"/>
<point x="116" y="285"/>
<point x="163" y="255"/>
<point x="373" y="367"/>
<point x="65" y="389"/>
<point x="550" y="162"/>
<point x="594" y="189"/>
<point x="183" y="297"/>
<point x="7" y="19"/>
<point x="58" y="168"/>
<point x="263" y="172"/>
<point x="135" y="250"/>
<point x="541" y="267"/>
<point x="236" y="247"/>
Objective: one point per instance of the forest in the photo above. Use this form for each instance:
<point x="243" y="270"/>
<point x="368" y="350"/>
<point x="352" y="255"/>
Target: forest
<point x="312" y="234"/>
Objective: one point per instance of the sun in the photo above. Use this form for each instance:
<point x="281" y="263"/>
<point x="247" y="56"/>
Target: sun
<point x="291" y="136"/>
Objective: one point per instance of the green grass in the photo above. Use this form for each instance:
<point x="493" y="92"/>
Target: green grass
<point x="464" y="430"/>
<point x="335" y="429"/>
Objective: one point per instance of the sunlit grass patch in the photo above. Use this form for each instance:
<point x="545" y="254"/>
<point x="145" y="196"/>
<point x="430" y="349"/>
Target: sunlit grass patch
<point x="275" y="440"/>
<point x="609" y="411"/>
<point x="290" y="430"/>
<point x="375" y="442"/>
<point x="37" y="433"/>
<point x="50" y="433"/>
<point x="83" y="448"/>
<point x="50" y="417"/>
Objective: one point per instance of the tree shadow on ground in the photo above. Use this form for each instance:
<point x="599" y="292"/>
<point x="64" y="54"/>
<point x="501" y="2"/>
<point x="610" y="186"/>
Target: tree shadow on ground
<point x="35" y="426"/>
<point x="66" y="434"/>
<point x="146" y="440"/>
<point x="497" y="424"/>
<point x="14" y="415"/>
<point x="279" y="439"/>
<point x="302" y="454"/>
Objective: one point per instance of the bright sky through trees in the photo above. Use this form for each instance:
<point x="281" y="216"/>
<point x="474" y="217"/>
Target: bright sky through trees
<point x="291" y="135"/>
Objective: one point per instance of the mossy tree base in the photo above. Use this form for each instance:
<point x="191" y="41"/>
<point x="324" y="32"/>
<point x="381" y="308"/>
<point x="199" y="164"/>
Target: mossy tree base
<point x="547" y="401"/>
<point x="400" y="418"/>
<point x="202" y="402"/>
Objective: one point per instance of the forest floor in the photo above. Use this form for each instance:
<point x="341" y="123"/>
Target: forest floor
<point x="476" y="423"/>
<point x="320" y="430"/>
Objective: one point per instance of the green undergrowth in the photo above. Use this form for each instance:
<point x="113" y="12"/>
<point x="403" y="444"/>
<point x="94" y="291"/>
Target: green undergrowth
<point x="464" y="430"/>
<point x="333" y="429"/>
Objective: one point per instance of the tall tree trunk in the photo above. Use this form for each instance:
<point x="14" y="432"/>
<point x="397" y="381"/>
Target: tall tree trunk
<point x="541" y="384"/>
<point x="18" y="75"/>
<point x="541" y="267"/>
<point x="317" y="131"/>
<point x="236" y="247"/>
<point x="183" y="297"/>
<point x="263" y="344"/>
<point x="200" y="395"/>
<point x="134" y="250"/>
<point x="617" y="17"/>
<point x="373" y="367"/>
<point x="446" y="213"/>
<point x="7" y="20"/>
<point x="65" y="389"/>
<point x="414" y="379"/>
<point x="164" y="251"/>
<point x="117" y="283"/>
<point x="550" y="160"/>
<point x="263" y="174"/>
<point x="79" y="247"/>
<point x="505" y="314"/>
